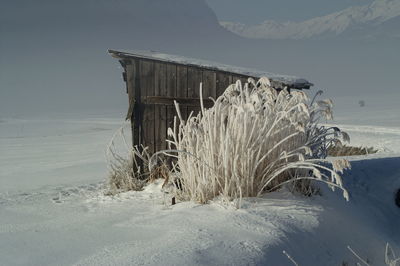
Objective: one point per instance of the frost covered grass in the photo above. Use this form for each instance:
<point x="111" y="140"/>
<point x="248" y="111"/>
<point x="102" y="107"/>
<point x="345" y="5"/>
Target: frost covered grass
<point x="127" y="170"/>
<point x="390" y="257"/>
<point x="344" y="150"/>
<point x="132" y="168"/>
<point x="254" y="140"/>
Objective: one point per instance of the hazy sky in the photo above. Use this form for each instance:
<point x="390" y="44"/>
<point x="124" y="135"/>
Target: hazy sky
<point x="53" y="53"/>
<point x="255" y="11"/>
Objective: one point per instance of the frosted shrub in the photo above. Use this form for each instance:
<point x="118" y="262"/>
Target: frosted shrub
<point x="254" y="140"/>
<point x="390" y="257"/>
<point x="127" y="166"/>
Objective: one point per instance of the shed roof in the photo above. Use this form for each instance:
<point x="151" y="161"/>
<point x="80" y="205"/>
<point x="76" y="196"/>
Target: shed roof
<point x="279" y="80"/>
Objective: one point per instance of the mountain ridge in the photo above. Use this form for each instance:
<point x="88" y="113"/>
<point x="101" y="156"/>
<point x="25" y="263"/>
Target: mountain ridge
<point x="350" y="19"/>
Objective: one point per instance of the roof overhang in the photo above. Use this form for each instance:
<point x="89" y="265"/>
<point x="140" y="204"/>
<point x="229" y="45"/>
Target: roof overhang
<point x="278" y="81"/>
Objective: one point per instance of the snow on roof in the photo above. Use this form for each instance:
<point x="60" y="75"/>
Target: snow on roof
<point x="279" y="80"/>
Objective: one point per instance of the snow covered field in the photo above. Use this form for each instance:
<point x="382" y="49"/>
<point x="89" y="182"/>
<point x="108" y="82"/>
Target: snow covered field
<point x="42" y="152"/>
<point x="53" y="210"/>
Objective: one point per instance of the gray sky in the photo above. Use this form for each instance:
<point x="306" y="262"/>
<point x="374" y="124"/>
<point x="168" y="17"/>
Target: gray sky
<point x="255" y="11"/>
<point x="53" y="53"/>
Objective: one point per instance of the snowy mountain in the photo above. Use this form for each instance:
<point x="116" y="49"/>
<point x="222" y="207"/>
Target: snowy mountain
<point x="370" y="20"/>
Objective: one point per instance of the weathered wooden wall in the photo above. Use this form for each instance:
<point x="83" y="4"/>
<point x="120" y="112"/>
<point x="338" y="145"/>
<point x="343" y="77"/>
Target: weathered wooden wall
<point x="153" y="85"/>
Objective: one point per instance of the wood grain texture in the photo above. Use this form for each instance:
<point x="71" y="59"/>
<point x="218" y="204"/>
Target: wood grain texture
<point x="182" y="88"/>
<point x="171" y="79"/>
<point x="223" y="81"/>
<point x="152" y="88"/>
<point x="235" y="78"/>
<point x="169" y="101"/>
<point x="194" y="80"/>
<point x="147" y="88"/>
<point x="130" y="88"/>
<point x="160" y="80"/>
<point x="133" y="77"/>
<point x="147" y="79"/>
<point x="182" y="81"/>
<point x="209" y="84"/>
<point x="172" y="92"/>
<point x="195" y="77"/>
<point x="160" y="127"/>
<point x="160" y="111"/>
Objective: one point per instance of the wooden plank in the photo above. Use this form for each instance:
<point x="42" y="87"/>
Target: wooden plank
<point x="147" y="88"/>
<point x="171" y="80"/>
<point x="160" y="112"/>
<point x="130" y="85"/>
<point x="160" y="81"/>
<point x="244" y="80"/>
<point x="182" y="81"/>
<point x="124" y="77"/>
<point x="161" y="127"/>
<point x="194" y="80"/>
<point x="130" y="88"/>
<point x="209" y="84"/>
<point x="132" y="70"/>
<point x="195" y="77"/>
<point x="171" y="113"/>
<point x="223" y="81"/>
<point x="235" y="78"/>
<point x="182" y="88"/>
<point x="148" y="128"/>
<point x="172" y="92"/>
<point x="169" y="101"/>
<point x="132" y="73"/>
<point x="147" y="79"/>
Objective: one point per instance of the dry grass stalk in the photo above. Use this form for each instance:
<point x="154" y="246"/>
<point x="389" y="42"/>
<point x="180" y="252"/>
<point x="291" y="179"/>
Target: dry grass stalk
<point x="127" y="166"/>
<point x="160" y="172"/>
<point x="344" y="150"/>
<point x="390" y="257"/>
<point x="131" y="168"/>
<point x="254" y="140"/>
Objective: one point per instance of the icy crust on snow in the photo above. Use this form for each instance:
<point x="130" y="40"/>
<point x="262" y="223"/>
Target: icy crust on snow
<point x="290" y="81"/>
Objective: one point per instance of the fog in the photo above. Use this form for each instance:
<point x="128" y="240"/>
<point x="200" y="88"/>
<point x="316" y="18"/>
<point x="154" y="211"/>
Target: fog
<point x="53" y="54"/>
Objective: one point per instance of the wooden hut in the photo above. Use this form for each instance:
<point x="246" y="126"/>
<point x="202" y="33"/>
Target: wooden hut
<point x="154" y="80"/>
